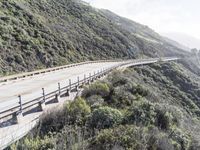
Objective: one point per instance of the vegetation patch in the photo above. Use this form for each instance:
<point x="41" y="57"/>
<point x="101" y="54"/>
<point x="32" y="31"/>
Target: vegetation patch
<point x="141" y="108"/>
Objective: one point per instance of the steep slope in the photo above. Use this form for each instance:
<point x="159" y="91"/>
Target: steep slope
<point x="44" y="33"/>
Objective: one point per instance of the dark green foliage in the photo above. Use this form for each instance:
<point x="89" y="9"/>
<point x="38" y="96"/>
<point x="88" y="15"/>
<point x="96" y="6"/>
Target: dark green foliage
<point x="124" y="91"/>
<point x="105" y="117"/>
<point x="74" y="112"/>
<point x="117" y="79"/>
<point x="122" y="137"/>
<point x="121" y="98"/>
<point x="98" y="88"/>
<point x="95" y="101"/>
<point x="133" y="137"/>
<point x="142" y="113"/>
<point x="78" y="111"/>
<point x="35" y="144"/>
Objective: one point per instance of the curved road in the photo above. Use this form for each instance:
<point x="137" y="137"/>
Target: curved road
<point x="31" y="87"/>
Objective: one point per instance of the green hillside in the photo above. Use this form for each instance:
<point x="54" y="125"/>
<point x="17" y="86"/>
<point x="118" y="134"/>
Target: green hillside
<point x="153" y="107"/>
<point x="44" y="33"/>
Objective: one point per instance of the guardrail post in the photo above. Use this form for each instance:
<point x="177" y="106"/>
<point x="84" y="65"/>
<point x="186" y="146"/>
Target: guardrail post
<point x="78" y="81"/>
<point x="59" y="89"/>
<point x="101" y="72"/>
<point x="93" y="78"/>
<point x="67" y="94"/>
<point x="90" y="77"/>
<point x="41" y="106"/>
<point x="20" y="103"/>
<point x="43" y="93"/>
<point x="57" y="98"/>
<point x="98" y="73"/>
<point x="70" y="84"/>
<point x="84" y="78"/>
<point x="17" y="116"/>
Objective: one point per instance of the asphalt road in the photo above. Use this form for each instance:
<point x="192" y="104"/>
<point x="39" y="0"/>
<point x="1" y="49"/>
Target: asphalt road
<point x="31" y="87"/>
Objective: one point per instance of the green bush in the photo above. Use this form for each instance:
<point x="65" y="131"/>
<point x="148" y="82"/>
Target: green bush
<point x="105" y="117"/>
<point x="95" y="101"/>
<point x="121" y="98"/>
<point x="140" y="90"/>
<point x="163" y="119"/>
<point x="131" y="137"/>
<point x="117" y="79"/>
<point x="122" y="137"/>
<point x="141" y="113"/>
<point x="34" y="144"/>
<point x="78" y="111"/>
<point x="97" y="88"/>
<point x="146" y="113"/>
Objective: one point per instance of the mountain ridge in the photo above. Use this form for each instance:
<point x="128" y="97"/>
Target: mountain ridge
<point x="41" y="34"/>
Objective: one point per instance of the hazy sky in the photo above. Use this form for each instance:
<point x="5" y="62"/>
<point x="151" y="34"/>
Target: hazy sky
<point x="163" y="16"/>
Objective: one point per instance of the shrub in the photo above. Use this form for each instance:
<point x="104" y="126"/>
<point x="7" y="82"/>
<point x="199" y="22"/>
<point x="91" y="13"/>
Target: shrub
<point x="34" y="144"/>
<point x="159" y="142"/>
<point x="131" y="137"/>
<point x="97" y="88"/>
<point x="121" y="98"/>
<point x="95" y="101"/>
<point x="105" y="117"/>
<point x="141" y="90"/>
<point x="122" y="137"/>
<point x="117" y="79"/>
<point x="163" y="119"/>
<point x="140" y="113"/>
<point x="78" y="110"/>
<point x="167" y="117"/>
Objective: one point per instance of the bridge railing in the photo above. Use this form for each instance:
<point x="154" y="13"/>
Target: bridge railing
<point x="21" y="107"/>
<point x="14" y="110"/>
<point x="28" y="74"/>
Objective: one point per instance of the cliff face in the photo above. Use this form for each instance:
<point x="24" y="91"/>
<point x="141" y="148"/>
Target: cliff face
<point x="44" y="33"/>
